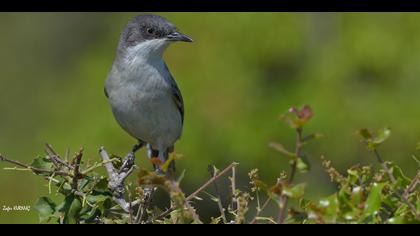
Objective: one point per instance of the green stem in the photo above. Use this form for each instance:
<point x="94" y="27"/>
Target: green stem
<point x="284" y="199"/>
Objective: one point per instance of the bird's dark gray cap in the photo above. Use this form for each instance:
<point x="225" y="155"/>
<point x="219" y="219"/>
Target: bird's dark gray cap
<point x="148" y="26"/>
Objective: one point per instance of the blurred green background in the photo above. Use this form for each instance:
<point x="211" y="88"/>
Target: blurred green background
<point x="243" y="70"/>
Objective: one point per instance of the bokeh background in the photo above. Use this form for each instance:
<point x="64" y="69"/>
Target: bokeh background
<point x="243" y="70"/>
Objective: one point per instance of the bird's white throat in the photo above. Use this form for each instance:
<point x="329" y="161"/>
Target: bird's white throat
<point x="150" y="50"/>
<point x="145" y="61"/>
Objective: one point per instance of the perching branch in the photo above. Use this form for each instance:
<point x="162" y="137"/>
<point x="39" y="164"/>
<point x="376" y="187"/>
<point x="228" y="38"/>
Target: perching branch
<point x="117" y="177"/>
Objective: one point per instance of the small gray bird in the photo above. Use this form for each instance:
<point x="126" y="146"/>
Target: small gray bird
<point x="144" y="97"/>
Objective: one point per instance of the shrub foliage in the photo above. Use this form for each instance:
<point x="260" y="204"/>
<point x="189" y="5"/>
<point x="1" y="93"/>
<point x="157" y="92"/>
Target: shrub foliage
<point x="380" y="194"/>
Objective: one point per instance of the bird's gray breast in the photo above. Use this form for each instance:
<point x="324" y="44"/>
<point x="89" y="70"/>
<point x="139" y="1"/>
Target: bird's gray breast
<point x="142" y="103"/>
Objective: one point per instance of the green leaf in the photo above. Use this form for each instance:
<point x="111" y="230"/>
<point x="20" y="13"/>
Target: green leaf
<point x="98" y="197"/>
<point x="402" y="180"/>
<point x="295" y="192"/>
<point x="374" y="139"/>
<point x="297" y="118"/>
<point x="330" y="204"/>
<point x="418" y="204"/>
<point x="86" y="183"/>
<point x="382" y="135"/>
<point x="303" y="164"/>
<point x="90" y="214"/>
<point x="402" y="220"/>
<point x="42" y="163"/>
<point x="116" y="161"/>
<point x="71" y="208"/>
<point x="416" y="160"/>
<point x="344" y="200"/>
<point x="102" y="184"/>
<point x="46" y="208"/>
<point x="365" y="134"/>
<point x="373" y="202"/>
<point x="312" y="137"/>
<point x="353" y="174"/>
<point x="280" y="148"/>
<point x="356" y="196"/>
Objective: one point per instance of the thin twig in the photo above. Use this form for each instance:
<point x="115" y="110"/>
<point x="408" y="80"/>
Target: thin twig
<point x="219" y="198"/>
<point x="138" y="216"/>
<point x="210" y="181"/>
<point x="146" y="201"/>
<point x="195" y="193"/>
<point x="38" y="171"/>
<point x="76" y="172"/>
<point x="67" y="157"/>
<point x="33" y="169"/>
<point x="413" y="185"/>
<point x="130" y="206"/>
<point x="233" y="183"/>
<point x="175" y="187"/>
<point x="298" y="149"/>
<point x="96" y="165"/>
<point x="384" y="166"/>
<point x="55" y="157"/>
<point x="51" y="155"/>
<point x="284" y="199"/>
<point x="265" y="204"/>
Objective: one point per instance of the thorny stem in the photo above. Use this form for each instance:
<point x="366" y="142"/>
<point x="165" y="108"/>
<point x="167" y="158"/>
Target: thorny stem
<point x="146" y="201"/>
<point x="284" y="199"/>
<point x="384" y="166"/>
<point x="297" y="154"/>
<point x="393" y="180"/>
<point x="67" y="156"/>
<point x="265" y="204"/>
<point x="195" y="193"/>
<point x="413" y="185"/>
<point x="234" y="200"/>
<point x="76" y="171"/>
<point x="130" y="205"/>
<point x="33" y="169"/>
<point x="175" y="186"/>
<point x="51" y="173"/>
<point x="117" y="177"/>
<point x="219" y="199"/>
<point x="55" y="158"/>
<point x="210" y="181"/>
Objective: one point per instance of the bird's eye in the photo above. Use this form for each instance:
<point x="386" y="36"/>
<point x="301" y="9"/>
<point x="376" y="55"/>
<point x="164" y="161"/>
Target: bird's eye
<point x="150" y="30"/>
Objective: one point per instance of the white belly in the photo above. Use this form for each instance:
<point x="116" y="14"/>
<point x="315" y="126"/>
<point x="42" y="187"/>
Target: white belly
<point x="149" y="116"/>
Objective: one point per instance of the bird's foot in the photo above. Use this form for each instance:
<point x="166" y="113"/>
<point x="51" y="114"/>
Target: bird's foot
<point x="127" y="163"/>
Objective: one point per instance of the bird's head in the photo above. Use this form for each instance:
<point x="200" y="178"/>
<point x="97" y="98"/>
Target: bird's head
<point x="148" y="36"/>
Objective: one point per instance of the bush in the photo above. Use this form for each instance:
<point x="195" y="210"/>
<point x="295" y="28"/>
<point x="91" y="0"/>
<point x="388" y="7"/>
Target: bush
<point x="364" y="194"/>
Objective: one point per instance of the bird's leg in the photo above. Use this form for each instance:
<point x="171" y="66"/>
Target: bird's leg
<point x="138" y="146"/>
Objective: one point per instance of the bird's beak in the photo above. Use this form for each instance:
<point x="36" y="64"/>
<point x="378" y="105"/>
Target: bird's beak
<point x="177" y="36"/>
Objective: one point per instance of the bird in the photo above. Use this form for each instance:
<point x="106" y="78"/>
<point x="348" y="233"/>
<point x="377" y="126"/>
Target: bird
<point x="144" y="97"/>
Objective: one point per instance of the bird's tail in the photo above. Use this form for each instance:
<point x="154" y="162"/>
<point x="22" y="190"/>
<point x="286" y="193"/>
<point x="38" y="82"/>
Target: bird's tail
<point x="163" y="156"/>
